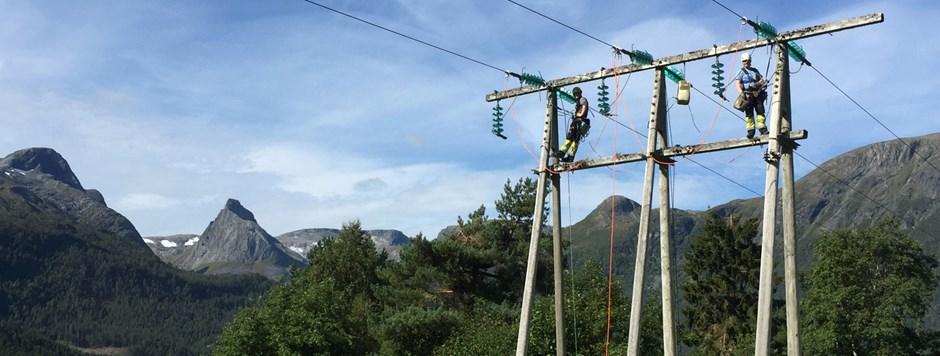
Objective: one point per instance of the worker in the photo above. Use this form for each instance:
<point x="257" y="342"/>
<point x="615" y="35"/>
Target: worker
<point x="752" y="92"/>
<point x="579" y="127"/>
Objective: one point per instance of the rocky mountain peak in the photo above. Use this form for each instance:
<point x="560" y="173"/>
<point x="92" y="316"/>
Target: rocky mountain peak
<point x="234" y="243"/>
<point x="235" y="207"/>
<point x="621" y="204"/>
<point x="42" y="160"/>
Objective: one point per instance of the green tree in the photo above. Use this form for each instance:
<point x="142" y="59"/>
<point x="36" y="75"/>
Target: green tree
<point x="482" y="257"/>
<point x="868" y="292"/>
<point x="723" y="269"/>
<point x="323" y="310"/>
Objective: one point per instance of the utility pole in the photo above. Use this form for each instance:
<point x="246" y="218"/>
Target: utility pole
<point x="772" y="156"/>
<point x="557" y="259"/>
<point x="789" y="214"/>
<point x="657" y="114"/>
<point x="522" y="340"/>
<point x="781" y="142"/>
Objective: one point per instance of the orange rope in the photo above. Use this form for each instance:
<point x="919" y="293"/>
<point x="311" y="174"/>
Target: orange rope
<point x="613" y="188"/>
<point x="519" y="131"/>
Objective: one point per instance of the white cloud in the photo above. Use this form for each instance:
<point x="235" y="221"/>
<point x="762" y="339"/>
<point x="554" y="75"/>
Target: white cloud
<point x="145" y="201"/>
<point x="413" y="198"/>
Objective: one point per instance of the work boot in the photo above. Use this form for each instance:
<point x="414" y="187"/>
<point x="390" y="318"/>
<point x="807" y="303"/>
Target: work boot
<point x="763" y="131"/>
<point x="750" y="133"/>
<point x="567" y="159"/>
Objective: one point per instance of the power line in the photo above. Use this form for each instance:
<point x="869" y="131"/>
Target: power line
<point x="726" y="8"/>
<point x="717" y="103"/>
<point x="608" y="117"/>
<point x="408" y="37"/>
<point x="563" y="24"/>
<point x="725" y="177"/>
<point x="925" y="159"/>
<point x="849" y="186"/>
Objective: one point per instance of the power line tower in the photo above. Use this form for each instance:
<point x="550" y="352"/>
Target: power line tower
<point x="780" y="141"/>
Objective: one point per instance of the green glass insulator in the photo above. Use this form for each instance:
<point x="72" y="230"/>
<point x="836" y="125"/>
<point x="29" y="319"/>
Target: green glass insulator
<point x="565" y="96"/>
<point x="641" y="57"/>
<point x="532" y="79"/>
<point x="766" y="30"/>
<point x="674" y="74"/>
<point x="796" y="52"/>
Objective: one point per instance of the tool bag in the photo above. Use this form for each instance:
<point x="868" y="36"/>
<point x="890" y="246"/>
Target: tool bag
<point x="741" y="101"/>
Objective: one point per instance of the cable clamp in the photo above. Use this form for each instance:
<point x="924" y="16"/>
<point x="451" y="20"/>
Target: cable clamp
<point x="771" y="156"/>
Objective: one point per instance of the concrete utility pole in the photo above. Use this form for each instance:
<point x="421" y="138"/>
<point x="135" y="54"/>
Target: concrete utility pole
<point x="522" y="340"/>
<point x="781" y="142"/>
<point x="656" y="130"/>
<point x="772" y="156"/>
<point x="789" y="214"/>
<point x="556" y="248"/>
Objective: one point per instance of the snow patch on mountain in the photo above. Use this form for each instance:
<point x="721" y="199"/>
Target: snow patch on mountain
<point x="167" y="243"/>
<point x="149" y="241"/>
<point x="191" y="241"/>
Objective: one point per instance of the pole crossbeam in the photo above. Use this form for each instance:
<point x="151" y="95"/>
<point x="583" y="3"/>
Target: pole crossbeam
<point x="714" y="51"/>
<point x="674" y="151"/>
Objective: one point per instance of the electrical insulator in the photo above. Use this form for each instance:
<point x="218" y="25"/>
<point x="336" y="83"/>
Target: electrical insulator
<point x="565" y="96"/>
<point x="498" y="121"/>
<point x="674" y="74"/>
<point x="717" y="79"/>
<point x="766" y="30"/>
<point x="532" y="79"/>
<point x="536" y="80"/>
<point x="641" y="57"/>
<point x="603" y="103"/>
<point x="796" y="52"/>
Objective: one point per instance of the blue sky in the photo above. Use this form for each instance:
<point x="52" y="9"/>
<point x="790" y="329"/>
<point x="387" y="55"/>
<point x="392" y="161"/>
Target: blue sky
<point x="312" y="119"/>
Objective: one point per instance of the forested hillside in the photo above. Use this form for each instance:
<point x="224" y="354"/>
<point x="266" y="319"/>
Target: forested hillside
<point x="69" y="279"/>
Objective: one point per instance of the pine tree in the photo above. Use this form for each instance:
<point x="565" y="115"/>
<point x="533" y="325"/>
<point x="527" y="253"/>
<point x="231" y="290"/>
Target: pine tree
<point x="723" y="269"/>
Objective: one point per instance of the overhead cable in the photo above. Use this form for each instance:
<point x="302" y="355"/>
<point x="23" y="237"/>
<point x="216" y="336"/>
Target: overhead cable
<point x="563" y="24"/>
<point x="840" y="180"/>
<point x="409" y="37"/>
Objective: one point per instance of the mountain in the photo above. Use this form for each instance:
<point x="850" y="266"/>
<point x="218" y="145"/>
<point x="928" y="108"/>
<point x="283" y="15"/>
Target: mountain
<point x="171" y="248"/>
<point x="890" y="173"/>
<point x="41" y="175"/>
<point x="591" y="236"/>
<point x="301" y="241"/>
<point x="76" y="273"/>
<point x="234" y="243"/>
